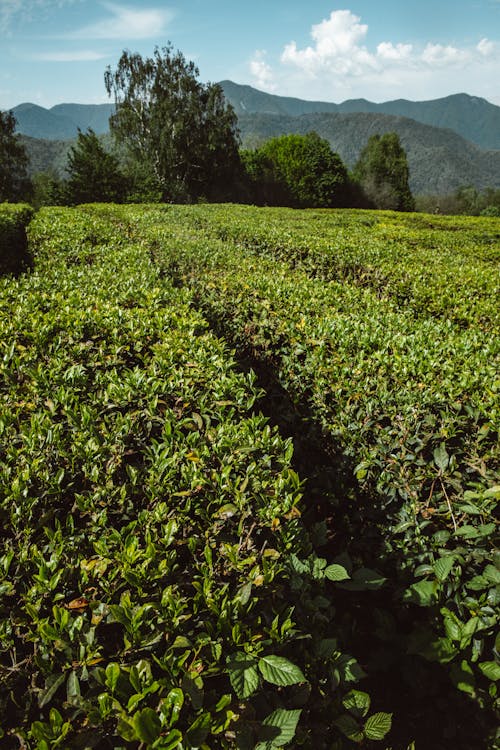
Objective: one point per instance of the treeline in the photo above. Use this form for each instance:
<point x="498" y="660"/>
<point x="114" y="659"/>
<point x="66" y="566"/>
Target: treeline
<point x="177" y="141"/>
<point x="467" y="200"/>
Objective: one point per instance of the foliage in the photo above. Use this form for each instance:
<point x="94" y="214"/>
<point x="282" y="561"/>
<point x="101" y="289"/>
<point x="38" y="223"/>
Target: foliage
<point x="48" y="190"/>
<point x="94" y="174"/>
<point x="14" y="182"/>
<point x="148" y="513"/>
<point x="382" y="170"/>
<point x="465" y="200"/>
<point x="182" y="129"/>
<point x="296" y="170"/>
<point x="403" y="386"/>
<point x="14" y="254"/>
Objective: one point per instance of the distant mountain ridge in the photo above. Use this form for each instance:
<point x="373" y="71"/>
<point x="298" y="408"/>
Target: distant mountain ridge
<point x="472" y="117"/>
<point x="440" y="158"/>
<point x="62" y="121"/>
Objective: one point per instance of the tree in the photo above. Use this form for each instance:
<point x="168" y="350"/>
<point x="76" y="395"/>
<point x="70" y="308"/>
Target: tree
<point x="48" y="190"/>
<point x="297" y="170"/>
<point x="94" y="175"/>
<point x="14" y="181"/>
<point x="382" y="170"/>
<point x="183" y="130"/>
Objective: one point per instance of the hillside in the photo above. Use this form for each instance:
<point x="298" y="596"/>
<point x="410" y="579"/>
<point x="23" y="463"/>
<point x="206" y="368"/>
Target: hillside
<point x="46" y="155"/>
<point x="440" y="160"/>
<point x="472" y="117"/>
<point x="62" y="121"/>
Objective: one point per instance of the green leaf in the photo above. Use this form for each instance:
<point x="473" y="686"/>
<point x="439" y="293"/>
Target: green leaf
<point x="199" y="729"/>
<point x="492" y="574"/>
<point x="278" y="728"/>
<point x="280" y="671"/>
<point x="441" y="650"/>
<point x="318" y="569"/>
<point x="112" y="675"/>
<point x="453" y="627"/>
<point x="326" y="648"/>
<point x="170" y="742"/>
<point x="170" y="707"/>
<point x="243" y="674"/>
<point x="336" y="573"/>
<point x="377" y="726"/>
<point x="147" y="725"/>
<point x="423" y="593"/>
<point x="52" y="685"/>
<point x="443" y="567"/>
<point x="73" y="686"/>
<point x="462" y="677"/>
<point x="441" y="457"/>
<point x="478" y="583"/>
<point x="490" y="669"/>
<point x="349" y="727"/>
<point x="357" y="703"/>
<point x="365" y="579"/>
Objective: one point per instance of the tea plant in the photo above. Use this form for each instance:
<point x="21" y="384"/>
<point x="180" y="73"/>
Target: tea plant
<point x="147" y="518"/>
<point x="14" y="256"/>
<point x="410" y="401"/>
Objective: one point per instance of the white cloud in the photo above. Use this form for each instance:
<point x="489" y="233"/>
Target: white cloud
<point x="337" y="47"/>
<point x="262" y="72"/>
<point x="23" y="10"/>
<point x="485" y="47"/>
<point x="339" y="63"/>
<point x="438" y="54"/>
<point x="70" y="56"/>
<point x="127" y="23"/>
<point x="390" y="51"/>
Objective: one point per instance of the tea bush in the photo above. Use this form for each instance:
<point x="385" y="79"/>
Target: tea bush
<point x="148" y="513"/>
<point x="405" y="393"/>
<point x="14" y="218"/>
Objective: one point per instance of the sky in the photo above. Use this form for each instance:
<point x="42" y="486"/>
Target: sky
<point x="54" y="51"/>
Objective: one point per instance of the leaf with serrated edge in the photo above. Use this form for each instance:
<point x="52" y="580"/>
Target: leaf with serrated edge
<point x="284" y="722"/>
<point x="490" y="669"/>
<point x="377" y="726"/>
<point x="280" y="671"/>
<point x="243" y="674"/>
<point x="443" y="566"/>
<point x="336" y="573"/>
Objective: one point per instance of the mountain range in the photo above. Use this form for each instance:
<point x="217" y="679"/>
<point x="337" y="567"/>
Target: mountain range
<point x="449" y="142"/>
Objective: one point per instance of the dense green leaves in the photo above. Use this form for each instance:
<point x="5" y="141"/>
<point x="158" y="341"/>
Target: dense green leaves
<point x="296" y="170"/>
<point x="14" y="182"/>
<point x="176" y="129"/>
<point x="157" y="583"/>
<point x="382" y="170"/>
<point x="94" y="174"/>
<point x="14" y="253"/>
<point x="397" y="365"/>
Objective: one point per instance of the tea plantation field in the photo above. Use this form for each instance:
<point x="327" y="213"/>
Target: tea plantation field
<point x="249" y="479"/>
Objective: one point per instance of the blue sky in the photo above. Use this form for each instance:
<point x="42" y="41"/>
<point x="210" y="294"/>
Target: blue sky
<point x="54" y="51"/>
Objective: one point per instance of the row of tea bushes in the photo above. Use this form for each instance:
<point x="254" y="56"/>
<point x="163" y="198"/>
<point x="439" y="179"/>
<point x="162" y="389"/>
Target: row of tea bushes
<point x="14" y="218"/>
<point x="444" y="266"/>
<point x="147" y="516"/>
<point x="410" y="402"/>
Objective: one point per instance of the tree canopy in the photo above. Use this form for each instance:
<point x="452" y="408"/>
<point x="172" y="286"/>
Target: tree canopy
<point x="297" y="170"/>
<point x="94" y="174"/>
<point x="382" y="170"/>
<point x="14" y="181"/>
<point x="183" y="130"/>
